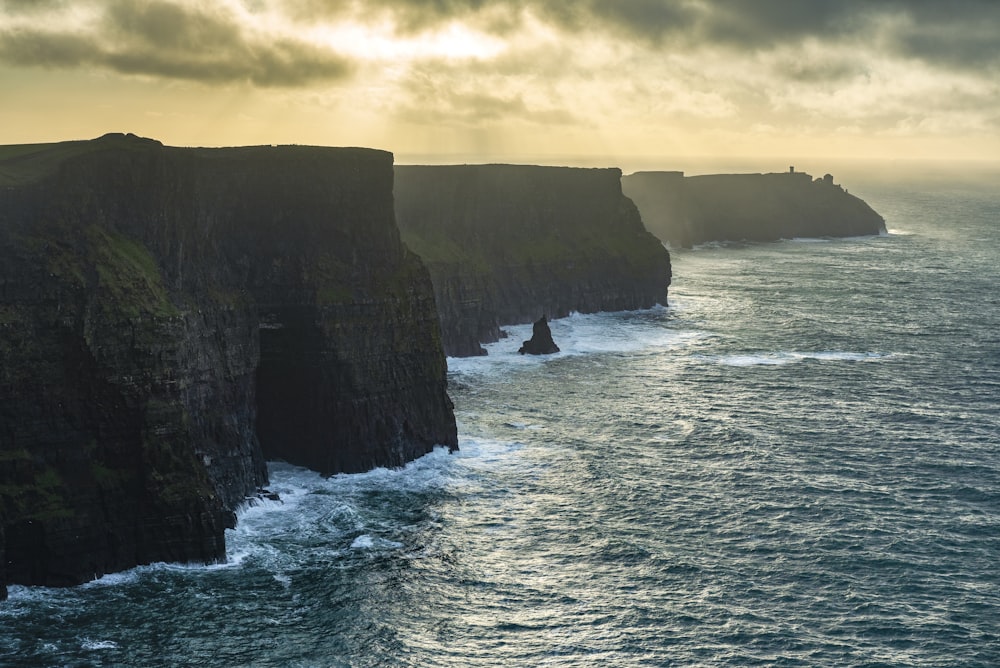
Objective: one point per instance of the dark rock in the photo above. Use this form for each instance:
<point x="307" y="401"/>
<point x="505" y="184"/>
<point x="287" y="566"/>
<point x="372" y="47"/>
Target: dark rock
<point x="541" y="342"/>
<point x="262" y="495"/>
<point x="168" y="316"/>
<point x="505" y="242"/>
<point x="685" y="211"/>
<point x="3" y="563"/>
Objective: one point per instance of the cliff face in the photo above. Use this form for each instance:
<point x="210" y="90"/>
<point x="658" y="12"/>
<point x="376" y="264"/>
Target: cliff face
<point x="169" y="317"/>
<point x="684" y="211"/>
<point x="506" y="244"/>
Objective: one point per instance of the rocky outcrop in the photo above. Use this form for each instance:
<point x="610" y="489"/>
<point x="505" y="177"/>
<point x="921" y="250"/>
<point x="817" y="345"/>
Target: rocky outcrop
<point x="685" y="211"/>
<point x="541" y="342"/>
<point x="170" y="317"/>
<point x="3" y="563"/>
<point x="504" y="243"/>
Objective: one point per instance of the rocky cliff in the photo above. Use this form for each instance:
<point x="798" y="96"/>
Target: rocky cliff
<point x="684" y="211"/>
<point x="506" y="244"/>
<point x="169" y="318"/>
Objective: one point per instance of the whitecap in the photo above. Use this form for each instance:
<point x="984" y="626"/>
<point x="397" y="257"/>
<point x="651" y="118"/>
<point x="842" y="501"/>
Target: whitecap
<point x="841" y="356"/>
<point x="366" y="542"/>
<point x="791" y="357"/>
<point x="116" y="579"/>
<point x="97" y="645"/>
<point x="134" y="574"/>
<point x="363" y="543"/>
<point x="579" y="334"/>
<point x="750" y="360"/>
<point x="709" y="245"/>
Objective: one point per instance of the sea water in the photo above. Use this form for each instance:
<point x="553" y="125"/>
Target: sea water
<point x="795" y="464"/>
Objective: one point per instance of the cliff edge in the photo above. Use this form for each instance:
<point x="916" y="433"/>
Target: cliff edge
<point x="506" y="244"/>
<point x="170" y="318"/>
<point x="684" y="211"/>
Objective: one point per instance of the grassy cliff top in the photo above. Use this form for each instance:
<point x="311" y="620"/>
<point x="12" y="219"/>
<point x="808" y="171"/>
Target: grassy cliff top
<point x="497" y="214"/>
<point x="27" y="163"/>
<point x="21" y="164"/>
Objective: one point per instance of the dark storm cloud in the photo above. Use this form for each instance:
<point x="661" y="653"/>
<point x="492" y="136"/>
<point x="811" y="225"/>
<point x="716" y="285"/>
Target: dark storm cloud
<point x="205" y="41"/>
<point x="958" y="33"/>
<point x="175" y="41"/>
<point x="963" y="34"/>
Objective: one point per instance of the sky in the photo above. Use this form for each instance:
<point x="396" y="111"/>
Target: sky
<point x="548" y="81"/>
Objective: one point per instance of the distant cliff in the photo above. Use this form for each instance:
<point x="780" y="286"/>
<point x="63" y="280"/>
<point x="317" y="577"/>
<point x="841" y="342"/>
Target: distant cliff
<point x="684" y="211"/>
<point x="506" y="244"/>
<point x="169" y="318"/>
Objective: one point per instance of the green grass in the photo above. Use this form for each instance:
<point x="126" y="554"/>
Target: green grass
<point x="22" y="164"/>
<point x="44" y="499"/>
<point x="25" y="163"/>
<point x="131" y="274"/>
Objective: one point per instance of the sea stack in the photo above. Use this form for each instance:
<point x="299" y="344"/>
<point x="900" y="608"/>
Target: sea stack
<point x="541" y="342"/>
<point x="504" y="243"/>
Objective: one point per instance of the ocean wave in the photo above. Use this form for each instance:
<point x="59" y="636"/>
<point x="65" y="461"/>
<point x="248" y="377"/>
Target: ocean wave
<point x="368" y="542"/>
<point x="620" y="332"/>
<point x="336" y="515"/>
<point x="790" y="357"/>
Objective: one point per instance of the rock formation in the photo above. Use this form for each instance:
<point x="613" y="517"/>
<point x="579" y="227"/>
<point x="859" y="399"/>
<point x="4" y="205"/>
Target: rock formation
<point x="685" y="211"/>
<point x="506" y="242"/>
<point x="169" y="318"/>
<point x="541" y="342"/>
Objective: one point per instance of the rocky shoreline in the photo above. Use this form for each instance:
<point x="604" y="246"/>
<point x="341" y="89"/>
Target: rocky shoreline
<point x="172" y="318"/>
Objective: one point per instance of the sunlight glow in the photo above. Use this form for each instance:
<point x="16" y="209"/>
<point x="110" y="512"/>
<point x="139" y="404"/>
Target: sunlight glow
<point x="382" y="43"/>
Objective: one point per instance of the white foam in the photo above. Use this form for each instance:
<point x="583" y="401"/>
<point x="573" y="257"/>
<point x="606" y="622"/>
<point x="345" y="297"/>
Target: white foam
<point x="116" y="579"/>
<point x="328" y="515"/>
<point x="750" y="360"/>
<point x="133" y="575"/>
<point x="335" y="516"/>
<point x="97" y="645"/>
<point x="791" y="357"/>
<point x="363" y="543"/>
<point x="367" y="542"/>
<point x="712" y="245"/>
<point x="22" y="594"/>
<point x="579" y="334"/>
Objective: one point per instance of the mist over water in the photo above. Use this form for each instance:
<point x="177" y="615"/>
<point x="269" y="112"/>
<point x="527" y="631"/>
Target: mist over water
<point x="797" y="463"/>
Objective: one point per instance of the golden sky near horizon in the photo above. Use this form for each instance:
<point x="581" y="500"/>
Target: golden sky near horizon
<point x="508" y="79"/>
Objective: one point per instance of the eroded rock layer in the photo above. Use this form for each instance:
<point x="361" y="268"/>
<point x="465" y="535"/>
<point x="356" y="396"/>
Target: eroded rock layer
<point x="169" y="317"/>
<point x="506" y="244"/>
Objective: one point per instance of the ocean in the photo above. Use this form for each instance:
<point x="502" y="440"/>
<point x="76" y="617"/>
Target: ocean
<point x="796" y="463"/>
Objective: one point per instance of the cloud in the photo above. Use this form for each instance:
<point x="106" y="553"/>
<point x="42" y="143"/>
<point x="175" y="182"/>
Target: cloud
<point x="642" y="66"/>
<point x="959" y="32"/>
<point x="469" y="108"/>
<point x="171" y="40"/>
<point x="220" y="41"/>
<point x="30" y="6"/>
